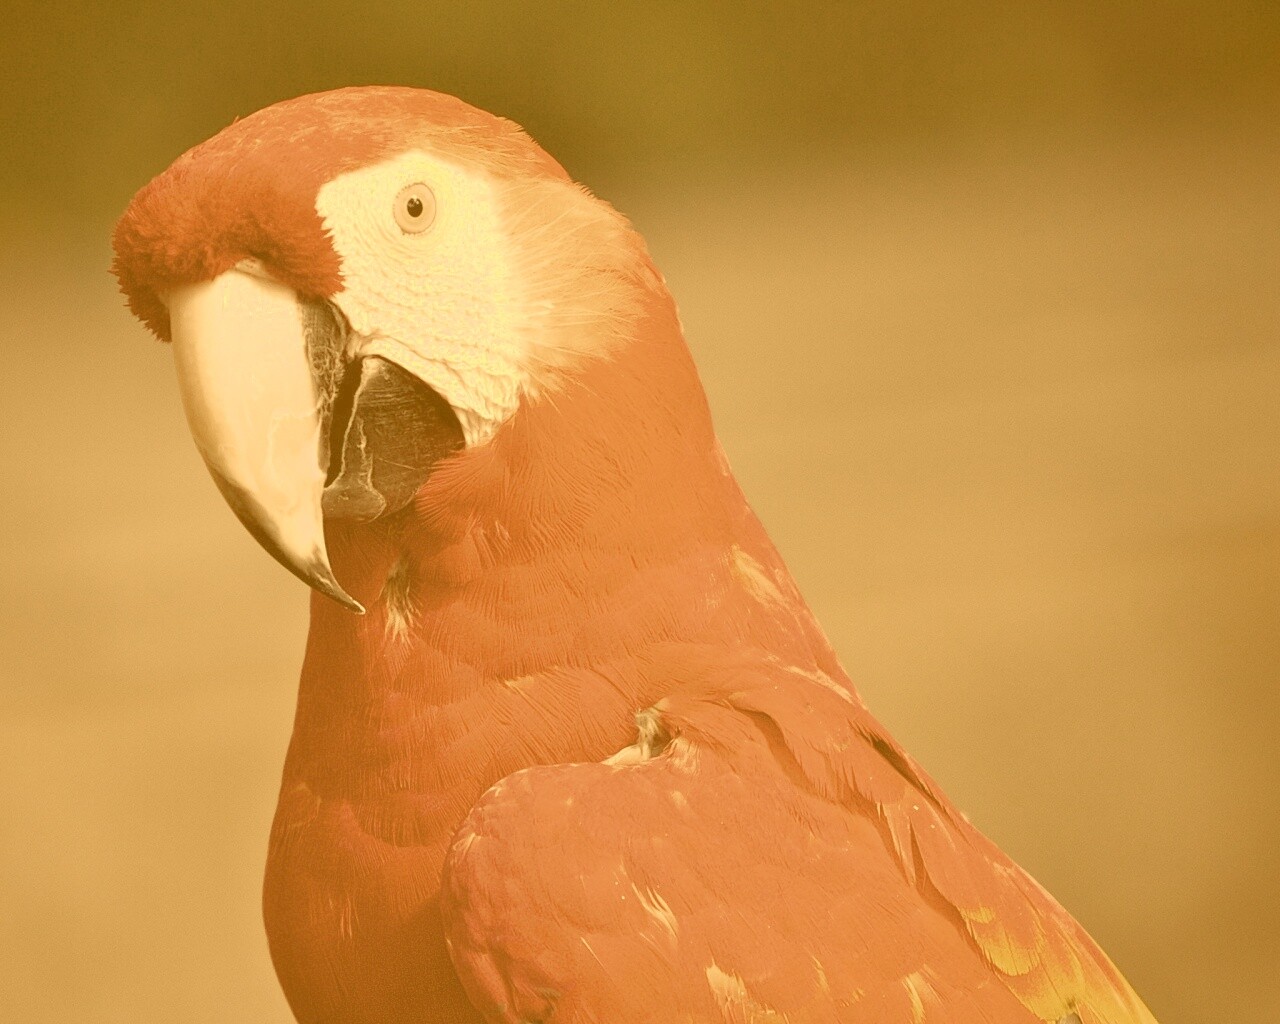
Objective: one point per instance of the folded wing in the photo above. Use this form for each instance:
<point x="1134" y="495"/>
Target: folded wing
<point x="765" y="853"/>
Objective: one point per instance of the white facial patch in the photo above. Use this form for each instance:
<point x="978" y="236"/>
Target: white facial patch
<point x="441" y="303"/>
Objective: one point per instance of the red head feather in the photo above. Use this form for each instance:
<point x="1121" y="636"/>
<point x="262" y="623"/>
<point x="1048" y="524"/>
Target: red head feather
<point x="250" y="191"/>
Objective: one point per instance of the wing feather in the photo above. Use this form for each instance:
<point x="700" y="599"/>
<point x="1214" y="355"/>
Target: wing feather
<point x="1044" y="956"/>
<point x="767" y="852"/>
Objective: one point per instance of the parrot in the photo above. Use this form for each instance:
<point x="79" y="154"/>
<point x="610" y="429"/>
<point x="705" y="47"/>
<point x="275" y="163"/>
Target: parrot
<point x="569" y="745"/>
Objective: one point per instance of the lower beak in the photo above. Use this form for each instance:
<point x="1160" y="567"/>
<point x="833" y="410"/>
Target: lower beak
<point x="240" y="345"/>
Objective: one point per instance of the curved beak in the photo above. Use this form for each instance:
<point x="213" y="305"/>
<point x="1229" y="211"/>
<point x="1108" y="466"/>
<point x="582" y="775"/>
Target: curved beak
<point x="240" y="344"/>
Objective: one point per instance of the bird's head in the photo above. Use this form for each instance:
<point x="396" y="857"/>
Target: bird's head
<point x="358" y="284"/>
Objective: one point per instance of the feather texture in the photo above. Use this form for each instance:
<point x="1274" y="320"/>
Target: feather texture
<point x="471" y="824"/>
<point x="781" y="858"/>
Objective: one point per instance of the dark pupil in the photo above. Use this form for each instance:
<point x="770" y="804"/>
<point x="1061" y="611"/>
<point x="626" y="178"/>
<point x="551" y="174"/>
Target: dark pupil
<point x="414" y="206"/>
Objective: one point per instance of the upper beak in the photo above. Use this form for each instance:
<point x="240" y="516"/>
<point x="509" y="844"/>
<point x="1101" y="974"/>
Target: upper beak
<point x="241" y="348"/>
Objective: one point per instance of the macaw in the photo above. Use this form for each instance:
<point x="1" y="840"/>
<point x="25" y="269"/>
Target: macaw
<point x="569" y="745"/>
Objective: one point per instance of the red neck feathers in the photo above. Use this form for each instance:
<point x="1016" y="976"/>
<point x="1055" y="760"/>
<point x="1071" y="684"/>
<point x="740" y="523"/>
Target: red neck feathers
<point x="512" y="612"/>
<point x="600" y="519"/>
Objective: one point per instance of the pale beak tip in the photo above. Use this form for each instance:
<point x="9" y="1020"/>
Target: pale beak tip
<point x="312" y="567"/>
<point x="321" y="577"/>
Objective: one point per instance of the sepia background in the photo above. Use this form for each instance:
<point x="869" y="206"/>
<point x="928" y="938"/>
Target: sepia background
<point x="985" y="297"/>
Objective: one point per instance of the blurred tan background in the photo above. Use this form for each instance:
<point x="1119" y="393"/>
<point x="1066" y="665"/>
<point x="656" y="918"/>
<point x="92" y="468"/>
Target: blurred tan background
<point x="985" y="297"/>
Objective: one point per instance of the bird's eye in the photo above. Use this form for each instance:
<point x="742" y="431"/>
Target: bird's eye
<point x="415" y="208"/>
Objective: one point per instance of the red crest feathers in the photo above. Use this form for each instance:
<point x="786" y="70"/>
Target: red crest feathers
<point x="250" y="191"/>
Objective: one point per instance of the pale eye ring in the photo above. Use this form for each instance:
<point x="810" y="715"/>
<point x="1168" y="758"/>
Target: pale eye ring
<point x="415" y="208"/>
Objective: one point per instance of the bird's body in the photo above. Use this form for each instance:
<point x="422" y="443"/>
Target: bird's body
<point x="588" y="756"/>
